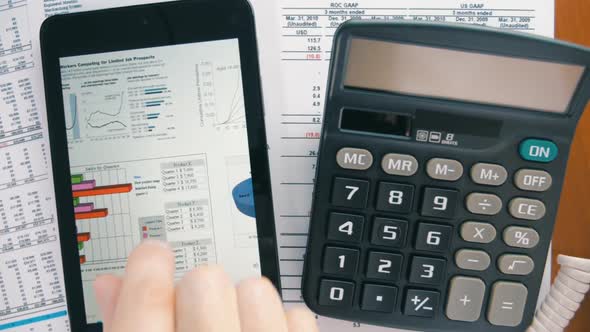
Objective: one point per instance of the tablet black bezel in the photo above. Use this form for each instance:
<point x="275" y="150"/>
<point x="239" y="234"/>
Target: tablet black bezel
<point x="142" y="27"/>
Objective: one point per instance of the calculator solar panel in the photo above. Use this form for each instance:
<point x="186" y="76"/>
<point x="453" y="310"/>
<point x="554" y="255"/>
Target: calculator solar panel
<point x="441" y="162"/>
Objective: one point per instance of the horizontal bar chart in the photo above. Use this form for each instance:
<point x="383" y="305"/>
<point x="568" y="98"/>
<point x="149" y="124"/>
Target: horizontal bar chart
<point x="84" y="209"/>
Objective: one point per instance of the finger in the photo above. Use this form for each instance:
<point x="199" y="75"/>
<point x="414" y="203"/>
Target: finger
<point x="107" y="288"/>
<point x="146" y="299"/>
<point x="261" y="309"/>
<point x="206" y="301"/>
<point x="300" y="319"/>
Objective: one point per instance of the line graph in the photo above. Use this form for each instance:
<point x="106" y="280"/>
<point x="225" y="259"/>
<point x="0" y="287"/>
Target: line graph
<point x="236" y="111"/>
<point x="219" y="106"/>
<point x="100" y="119"/>
<point x="96" y="115"/>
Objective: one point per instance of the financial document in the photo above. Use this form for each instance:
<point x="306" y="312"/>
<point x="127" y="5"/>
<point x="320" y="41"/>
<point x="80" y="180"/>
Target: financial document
<point x="294" y="39"/>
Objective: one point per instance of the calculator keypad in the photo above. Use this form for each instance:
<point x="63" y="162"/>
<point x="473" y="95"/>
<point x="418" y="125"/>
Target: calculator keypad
<point x="372" y="225"/>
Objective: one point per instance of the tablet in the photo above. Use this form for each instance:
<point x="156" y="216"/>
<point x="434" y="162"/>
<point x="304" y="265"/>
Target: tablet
<point x="157" y="132"/>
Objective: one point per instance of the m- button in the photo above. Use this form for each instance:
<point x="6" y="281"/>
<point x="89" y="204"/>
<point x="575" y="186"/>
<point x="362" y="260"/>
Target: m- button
<point x="444" y="169"/>
<point x="399" y="164"/>
<point x="356" y="159"/>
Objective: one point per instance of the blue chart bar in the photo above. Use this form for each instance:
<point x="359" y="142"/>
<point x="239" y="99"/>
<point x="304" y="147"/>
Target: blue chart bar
<point x="153" y="116"/>
<point x="153" y="103"/>
<point x="32" y="320"/>
<point x="74" y="116"/>
<point x="152" y="91"/>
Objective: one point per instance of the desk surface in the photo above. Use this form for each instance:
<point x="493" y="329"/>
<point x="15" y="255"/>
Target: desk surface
<point x="572" y="232"/>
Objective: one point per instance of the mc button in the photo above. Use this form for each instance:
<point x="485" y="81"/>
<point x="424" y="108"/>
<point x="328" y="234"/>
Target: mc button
<point x="538" y="150"/>
<point x="356" y="159"/>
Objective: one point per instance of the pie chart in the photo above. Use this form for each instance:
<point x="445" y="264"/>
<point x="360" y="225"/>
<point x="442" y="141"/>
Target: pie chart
<point x="244" y="198"/>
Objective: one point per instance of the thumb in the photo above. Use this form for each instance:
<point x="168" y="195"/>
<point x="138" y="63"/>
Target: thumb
<point x="107" y="288"/>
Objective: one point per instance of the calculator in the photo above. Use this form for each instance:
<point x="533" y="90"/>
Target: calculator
<point x="441" y="162"/>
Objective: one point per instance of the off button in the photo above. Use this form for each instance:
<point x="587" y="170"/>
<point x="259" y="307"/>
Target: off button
<point x="538" y="150"/>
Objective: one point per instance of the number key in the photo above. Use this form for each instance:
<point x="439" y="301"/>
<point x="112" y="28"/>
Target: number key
<point x="340" y="261"/>
<point x="427" y="270"/>
<point x="439" y="203"/>
<point x="431" y="237"/>
<point x="350" y="193"/>
<point x="336" y="293"/>
<point x="345" y="227"/>
<point x="395" y="197"/>
<point x="383" y="265"/>
<point x="389" y="232"/>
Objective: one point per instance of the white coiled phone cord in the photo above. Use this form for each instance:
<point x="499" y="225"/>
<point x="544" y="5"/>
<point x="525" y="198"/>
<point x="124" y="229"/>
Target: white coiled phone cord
<point x="567" y="292"/>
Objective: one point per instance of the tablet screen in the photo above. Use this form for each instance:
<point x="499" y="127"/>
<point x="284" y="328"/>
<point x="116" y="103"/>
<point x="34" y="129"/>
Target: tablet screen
<point x="158" y="149"/>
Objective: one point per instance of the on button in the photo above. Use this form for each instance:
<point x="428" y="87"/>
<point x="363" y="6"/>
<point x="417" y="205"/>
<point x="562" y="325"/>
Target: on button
<point x="538" y="150"/>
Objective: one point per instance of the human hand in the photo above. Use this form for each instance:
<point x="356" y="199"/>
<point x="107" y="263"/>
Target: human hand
<point x="145" y="299"/>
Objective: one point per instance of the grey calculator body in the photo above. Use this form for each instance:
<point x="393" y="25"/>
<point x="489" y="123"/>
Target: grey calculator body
<point x="442" y="158"/>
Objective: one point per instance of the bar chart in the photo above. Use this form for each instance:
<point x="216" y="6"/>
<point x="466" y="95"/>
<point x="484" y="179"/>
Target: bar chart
<point x="96" y="204"/>
<point x="149" y="106"/>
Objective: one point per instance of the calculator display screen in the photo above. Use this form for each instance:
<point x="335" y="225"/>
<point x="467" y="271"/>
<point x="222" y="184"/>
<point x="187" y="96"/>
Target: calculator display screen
<point x="468" y="76"/>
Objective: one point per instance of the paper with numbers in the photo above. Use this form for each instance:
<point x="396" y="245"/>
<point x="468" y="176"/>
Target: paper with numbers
<point x="294" y="41"/>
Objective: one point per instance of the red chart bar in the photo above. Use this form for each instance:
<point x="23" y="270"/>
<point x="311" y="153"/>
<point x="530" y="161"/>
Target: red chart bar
<point x="105" y="190"/>
<point x="98" y="213"/>
<point x="82" y="259"/>
<point x="83" y="237"/>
